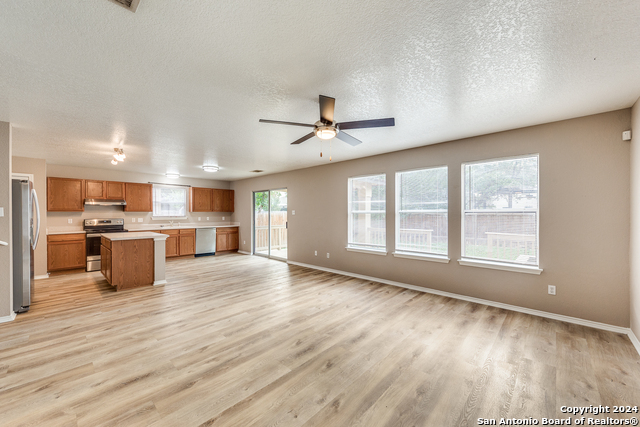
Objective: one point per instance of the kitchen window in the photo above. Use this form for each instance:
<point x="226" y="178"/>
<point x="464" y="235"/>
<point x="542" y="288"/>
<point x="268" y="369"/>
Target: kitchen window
<point x="367" y="214"/>
<point x="422" y="203"/>
<point x="169" y="201"/>
<point x="500" y="214"/>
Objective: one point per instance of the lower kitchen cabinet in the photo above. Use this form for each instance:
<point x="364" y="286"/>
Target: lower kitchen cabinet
<point x="187" y="240"/>
<point x="172" y="247"/>
<point x="66" y="252"/>
<point x="227" y="239"/>
<point x="106" y="263"/>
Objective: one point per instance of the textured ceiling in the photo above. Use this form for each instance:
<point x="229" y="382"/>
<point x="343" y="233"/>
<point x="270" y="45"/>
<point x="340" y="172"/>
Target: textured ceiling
<point x="183" y="83"/>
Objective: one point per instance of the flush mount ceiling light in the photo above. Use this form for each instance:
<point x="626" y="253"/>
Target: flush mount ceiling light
<point x="210" y="168"/>
<point x="119" y="156"/>
<point x="172" y="175"/>
<point x="114" y="162"/>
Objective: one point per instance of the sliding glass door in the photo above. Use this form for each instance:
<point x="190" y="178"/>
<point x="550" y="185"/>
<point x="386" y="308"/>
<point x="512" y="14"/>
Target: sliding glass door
<point x="270" y="223"/>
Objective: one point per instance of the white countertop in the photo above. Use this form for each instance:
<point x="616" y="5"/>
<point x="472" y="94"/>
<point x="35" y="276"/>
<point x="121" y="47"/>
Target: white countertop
<point x="135" y="236"/>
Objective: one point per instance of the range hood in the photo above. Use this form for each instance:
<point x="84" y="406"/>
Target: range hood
<point x="105" y="202"/>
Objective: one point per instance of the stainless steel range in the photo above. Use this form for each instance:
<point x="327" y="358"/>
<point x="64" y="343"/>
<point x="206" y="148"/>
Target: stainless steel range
<point x="93" y="228"/>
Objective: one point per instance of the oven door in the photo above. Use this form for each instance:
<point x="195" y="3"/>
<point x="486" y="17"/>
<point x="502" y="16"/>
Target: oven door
<point x="93" y="252"/>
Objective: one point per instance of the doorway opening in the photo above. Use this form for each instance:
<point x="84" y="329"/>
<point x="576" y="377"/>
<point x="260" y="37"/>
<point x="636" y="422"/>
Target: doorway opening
<point x="270" y="223"/>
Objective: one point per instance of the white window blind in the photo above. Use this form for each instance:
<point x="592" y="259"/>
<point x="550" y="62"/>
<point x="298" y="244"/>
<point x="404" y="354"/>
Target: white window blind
<point x="422" y="209"/>
<point x="169" y="201"/>
<point x="367" y="212"/>
<point x="500" y="212"/>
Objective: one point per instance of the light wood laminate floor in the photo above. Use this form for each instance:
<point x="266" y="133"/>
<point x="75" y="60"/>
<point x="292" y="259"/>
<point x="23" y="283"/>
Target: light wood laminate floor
<point x="238" y="340"/>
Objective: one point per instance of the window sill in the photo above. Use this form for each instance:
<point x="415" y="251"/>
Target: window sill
<point x="366" y="251"/>
<point x="422" y="257"/>
<point x="500" y="266"/>
<point x="168" y="218"/>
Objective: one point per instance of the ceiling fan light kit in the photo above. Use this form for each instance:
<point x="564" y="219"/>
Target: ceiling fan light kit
<point x="327" y="129"/>
<point x="119" y="156"/>
<point x="210" y="168"/>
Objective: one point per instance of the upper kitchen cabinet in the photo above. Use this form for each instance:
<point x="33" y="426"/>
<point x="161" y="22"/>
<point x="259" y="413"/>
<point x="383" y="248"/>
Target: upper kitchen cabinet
<point x="223" y="200"/>
<point x="228" y="201"/>
<point x="138" y="197"/>
<point x="115" y="190"/>
<point x="104" y="190"/>
<point x="65" y="194"/>
<point x="201" y="200"/>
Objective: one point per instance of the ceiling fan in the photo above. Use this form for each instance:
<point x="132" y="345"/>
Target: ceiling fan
<point x="327" y="128"/>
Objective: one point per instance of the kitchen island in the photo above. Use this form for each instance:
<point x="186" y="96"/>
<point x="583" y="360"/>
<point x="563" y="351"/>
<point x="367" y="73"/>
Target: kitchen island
<point x="131" y="260"/>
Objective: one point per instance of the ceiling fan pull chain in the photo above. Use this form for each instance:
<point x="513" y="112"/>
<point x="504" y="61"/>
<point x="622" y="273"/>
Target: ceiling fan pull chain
<point x="329" y="150"/>
<point x="320" y="148"/>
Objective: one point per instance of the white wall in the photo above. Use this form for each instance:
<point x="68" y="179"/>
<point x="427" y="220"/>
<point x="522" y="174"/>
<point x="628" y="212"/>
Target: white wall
<point x="584" y="217"/>
<point x="634" y="261"/>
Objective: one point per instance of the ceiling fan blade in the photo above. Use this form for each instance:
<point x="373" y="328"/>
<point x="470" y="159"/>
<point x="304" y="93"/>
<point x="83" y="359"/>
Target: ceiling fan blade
<point x="327" y="105"/>
<point x="348" y="138"/>
<point x="277" y="122"/>
<point x="304" y="138"/>
<point x="361" y="124"/>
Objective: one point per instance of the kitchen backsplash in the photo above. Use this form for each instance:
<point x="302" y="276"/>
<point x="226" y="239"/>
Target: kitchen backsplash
<point x="59" y="221"/>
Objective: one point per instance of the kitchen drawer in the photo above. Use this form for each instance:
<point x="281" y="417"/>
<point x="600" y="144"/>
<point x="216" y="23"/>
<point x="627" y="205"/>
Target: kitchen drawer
<point x="65" y="237"/>
<point x="188" y="231"/>
<point x="169" y="232"/>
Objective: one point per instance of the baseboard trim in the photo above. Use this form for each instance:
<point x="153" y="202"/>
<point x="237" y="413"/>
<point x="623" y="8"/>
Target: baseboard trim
<point x="8" y="318"/>
<point x="634" y="340"/>
<point x="159" y="282"/>
<point x="554" y="316"/>
<point x="244" y="253"/>
<point x="42" y="276"/>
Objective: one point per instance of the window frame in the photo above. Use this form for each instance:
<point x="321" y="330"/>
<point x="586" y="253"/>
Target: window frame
<point x="355" y="247"/>
<point x="155" y="216"/>
<point x="490" y="262"/>
<point x="418" y="255"/>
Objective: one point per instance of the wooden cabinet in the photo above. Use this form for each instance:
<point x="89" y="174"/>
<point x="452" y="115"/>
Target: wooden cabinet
<point x="223" y="200"/>
<point x="65" y="195"/>
<point x="172" y="248"/>
<point x="104" y="189"/>
<point x="187" y="240"/>
<point x="106" y="263"/>
<point x="66" y="252"/>
<point x="227" y="239"/>
<point x="218" y="196"/>
<point x="138" y="197"/>
<point x="115" y="190"/>
<point x="228" y="201"/>
<point x="201" y="199"/>
<point x="94" y="189"/>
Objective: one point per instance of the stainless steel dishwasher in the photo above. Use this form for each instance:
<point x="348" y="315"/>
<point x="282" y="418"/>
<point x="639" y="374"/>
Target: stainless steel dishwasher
<point x="205" y="241"/>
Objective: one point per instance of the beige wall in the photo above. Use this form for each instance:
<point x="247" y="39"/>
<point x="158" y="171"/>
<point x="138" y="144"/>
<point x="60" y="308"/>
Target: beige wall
<point x="6" y="286"/>
<point x="635" y="220"/>
<point x="57" y="220"/>
<point x="584" y="217"/>
<point x="38" y="168"/>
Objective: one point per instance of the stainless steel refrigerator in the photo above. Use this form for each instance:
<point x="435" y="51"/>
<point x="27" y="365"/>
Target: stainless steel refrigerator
<point x="26" y="230"/>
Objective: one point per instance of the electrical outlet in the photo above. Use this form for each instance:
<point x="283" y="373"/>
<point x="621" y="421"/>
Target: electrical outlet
<point x="327" y="254"/>
<point x="133" y="220"/>
<point x="244" y="242"/>
<point x="316" y="253"/>
<point x="139" y="219"/>
<point x="199" y="218"/>
<point x="70" y="221"/>
<point x="293" y="212"/>
<point x="1" y="211"/>
<point x="207" y="218"/>
<point x="552" y="290"/>
<point x="223" y="218"/>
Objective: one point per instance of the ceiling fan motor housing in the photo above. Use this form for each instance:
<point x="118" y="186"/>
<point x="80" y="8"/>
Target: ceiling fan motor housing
<point x="326" y="131"/>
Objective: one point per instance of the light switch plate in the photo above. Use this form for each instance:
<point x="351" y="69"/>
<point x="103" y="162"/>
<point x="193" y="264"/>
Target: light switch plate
<point x="293" y="212"/>
<point x="223" y="218"/>
<point x="69" y="221"/>
<point x="626" y="135"/>
<point x="139" y="219"/>
<point x="207" y="218"/>
<point x="199" y="219"/>
<point x="133" y="220"/>
<point x="1" y="211"/>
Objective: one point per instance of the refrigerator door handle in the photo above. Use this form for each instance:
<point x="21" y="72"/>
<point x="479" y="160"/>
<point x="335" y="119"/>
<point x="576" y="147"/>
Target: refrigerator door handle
<point x="34" y="200"/>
